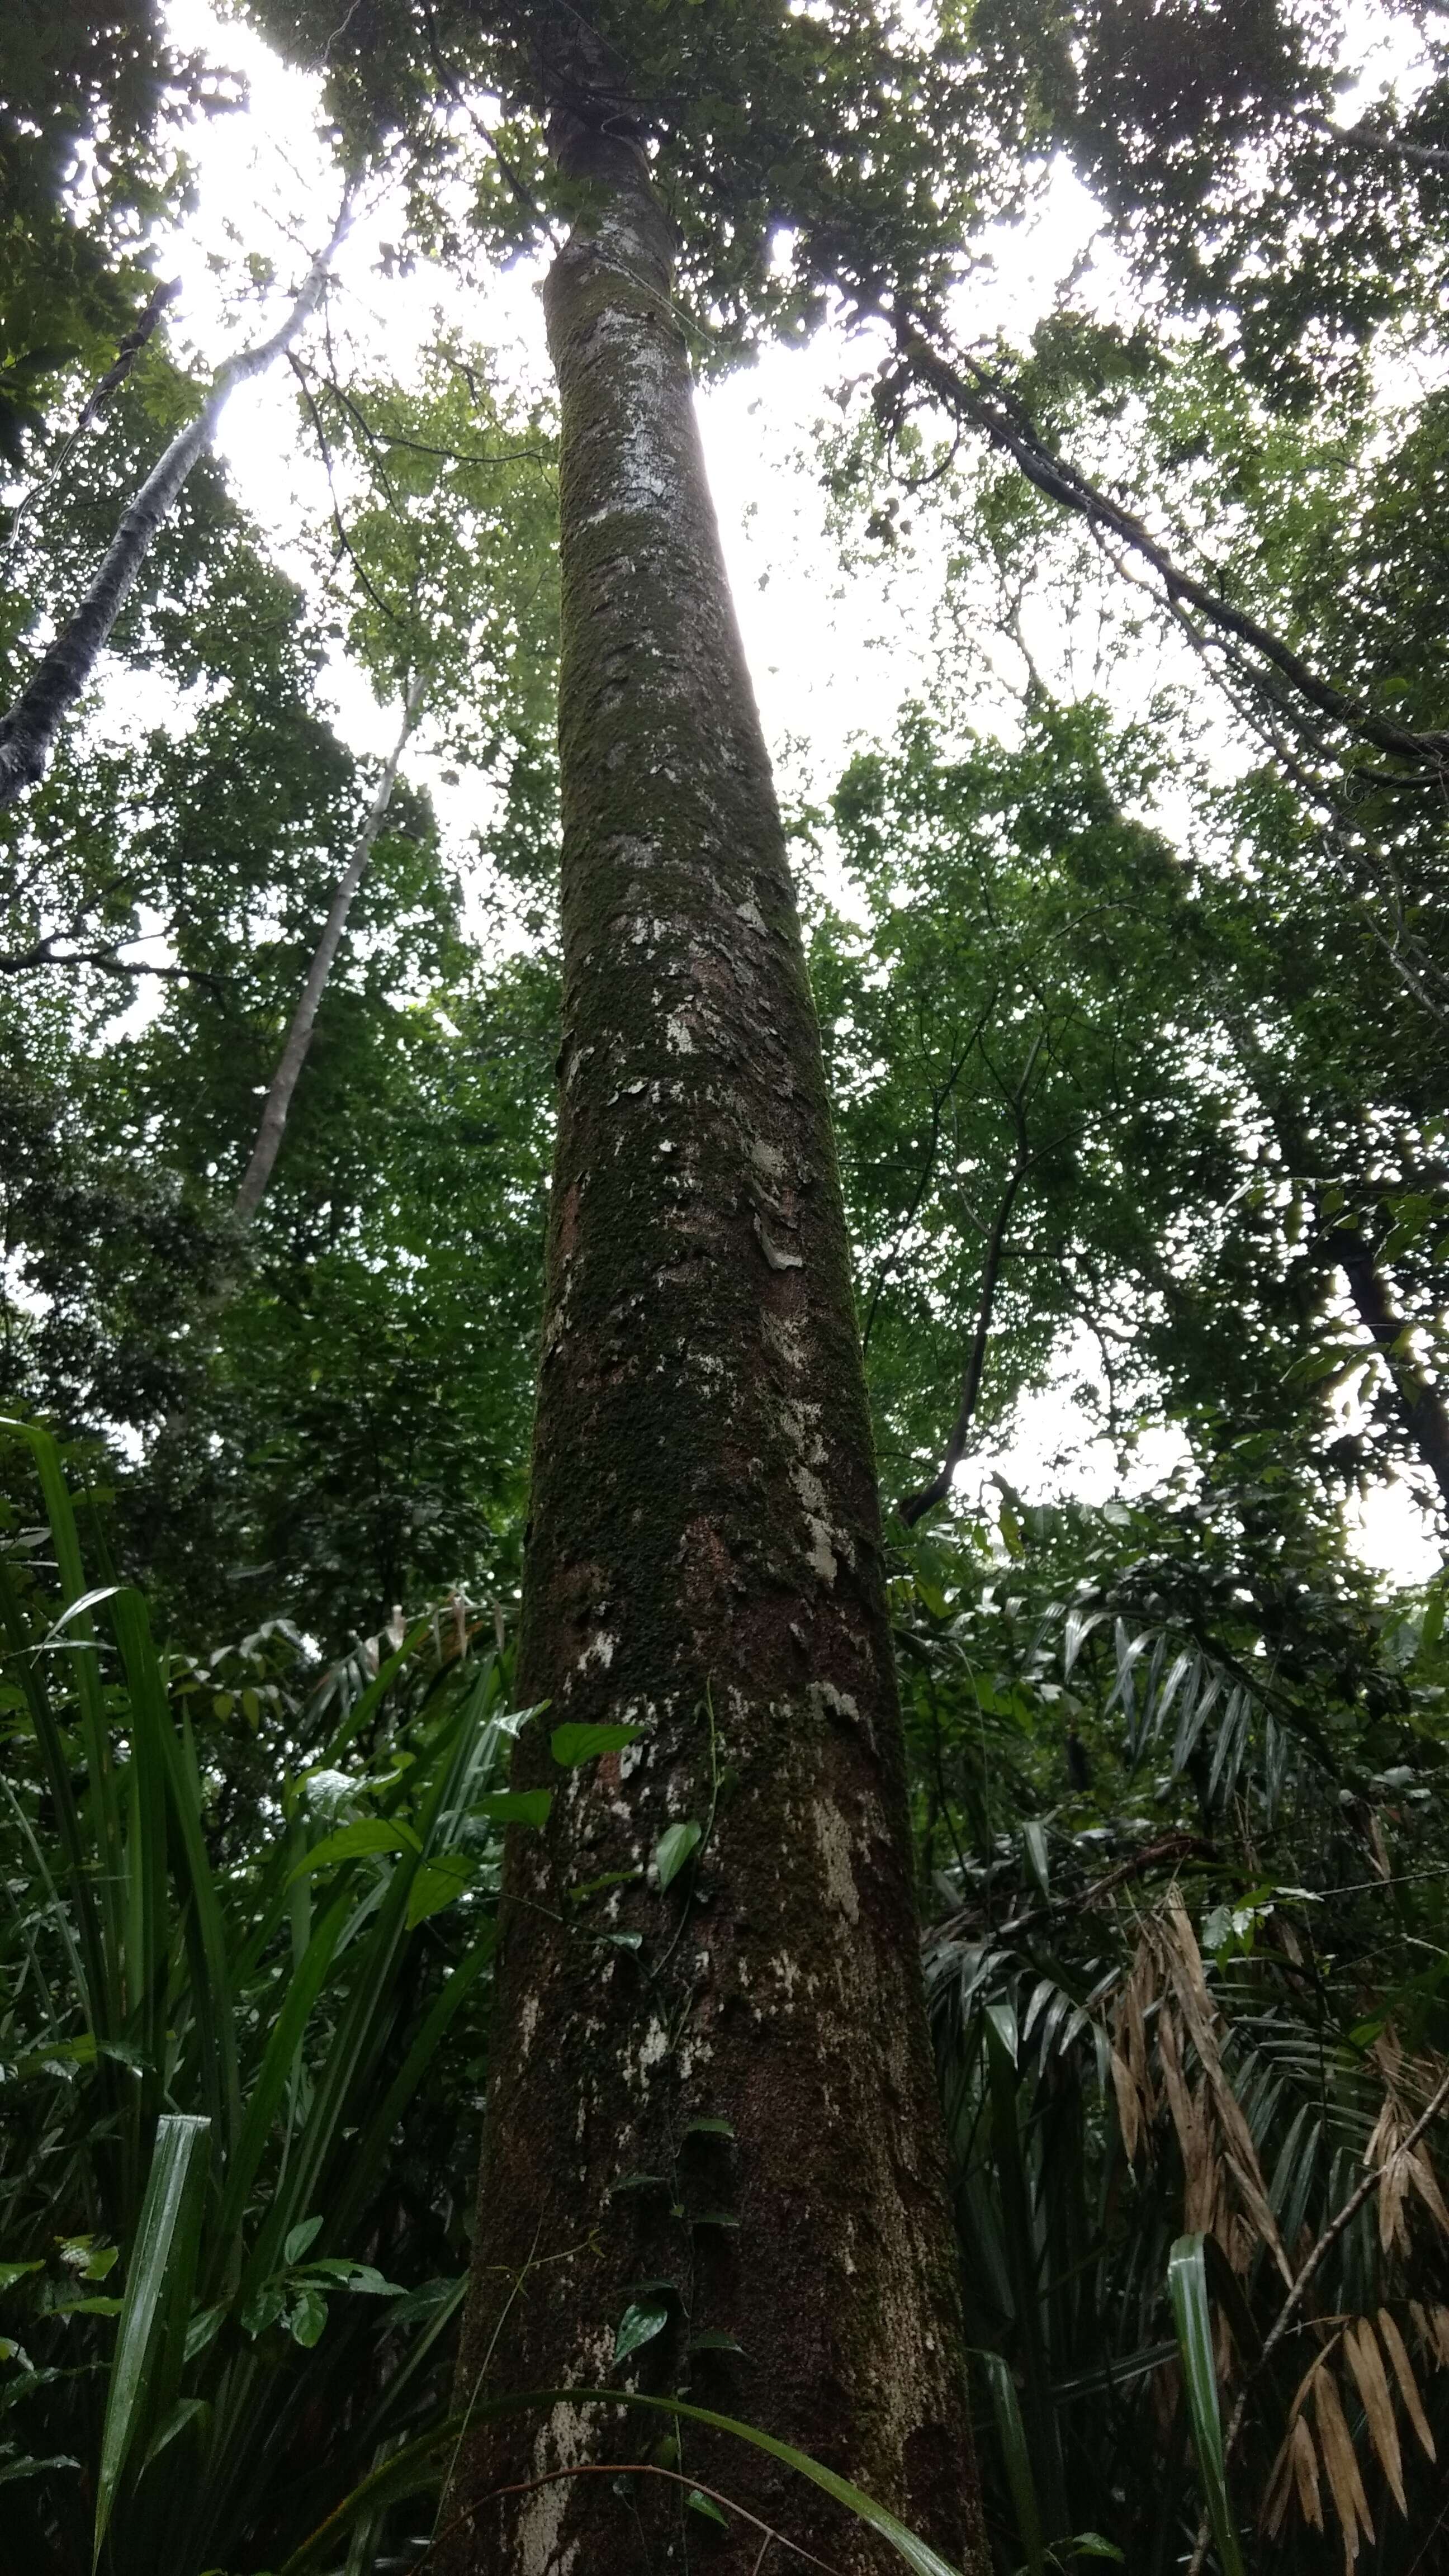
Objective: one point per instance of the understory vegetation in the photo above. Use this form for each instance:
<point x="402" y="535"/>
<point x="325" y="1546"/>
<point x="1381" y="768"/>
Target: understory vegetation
<point x="1128" y="945"/>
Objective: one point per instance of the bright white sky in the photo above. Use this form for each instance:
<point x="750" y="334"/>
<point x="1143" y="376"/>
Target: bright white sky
<point x="833" y="654"/>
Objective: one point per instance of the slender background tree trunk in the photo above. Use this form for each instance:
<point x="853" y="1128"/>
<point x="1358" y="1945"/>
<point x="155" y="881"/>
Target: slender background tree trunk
<point x="63" y="672"/>
<point x="705" y="1564"/>
<point x="271" y="1126"/>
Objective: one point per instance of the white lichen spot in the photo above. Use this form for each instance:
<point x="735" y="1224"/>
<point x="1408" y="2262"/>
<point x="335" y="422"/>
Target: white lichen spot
<point x="529" y="2020"/>
<point x="562" y="2443"/>
<point x="819" y="1554"/>
<point x="833" y="1836"/>
<point x="599" y="1650"/>
<point x="750" y="911"/>
<point x="678" y="1036"/>
<point x="653" y="2048"/>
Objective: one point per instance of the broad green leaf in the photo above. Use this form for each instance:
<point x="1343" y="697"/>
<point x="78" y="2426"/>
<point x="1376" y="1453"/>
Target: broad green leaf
<point x="571" y="1745"/>
<point x="356" y="1841"/>
<point x="10" y="2273"/>
<point x="1188" y="2295"/>
<point x="158" y="2296"/>
<point x="714" y="2339"/>
<point x="708" y="2124"/>
<point x="300" y="2238"/>
<point x="308" y="2318"/>
<point x="517" y="1807"/>
<point x="713" y="2218"/>
<point x="673" y="1849"/>
<point x="639" y="2324"/>
<point x="437" y="1884"/>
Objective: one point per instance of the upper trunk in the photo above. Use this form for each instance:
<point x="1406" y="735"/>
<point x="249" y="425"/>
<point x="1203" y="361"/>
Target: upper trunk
<point x="704" y="1562"/>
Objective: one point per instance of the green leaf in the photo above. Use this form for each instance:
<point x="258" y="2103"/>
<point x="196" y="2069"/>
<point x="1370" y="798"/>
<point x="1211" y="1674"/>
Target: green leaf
<point x="696" y="2502"/>
<point x="437" y="1884"/>
<point x="10" y="2273"/>
<point x="571" y="1745"/>
<point x="158" y="2296"/>
<point x="673" y="1849"/>
<point x="1187" y="2293"/>
<point x="1090" y="2544"/>
<point x="639" y="2324"/>
<point x="187" y="2410"/>
<point x="713" y="2218"/>
<point x="1033" y="1835"/>
<point x="202" y="2330"/>
<point x="714" y="2339"/>
<point x="356" y="1842"/>
<point x="308" y="2319"/>
<point x="639" y="2182"/>
<point x="263" y="2308"/>
<point x="1011" y="2433"/>
<point x="300" y="2238"/>
<point x="517" y="1807"/>
<point x="708" y="2125"/>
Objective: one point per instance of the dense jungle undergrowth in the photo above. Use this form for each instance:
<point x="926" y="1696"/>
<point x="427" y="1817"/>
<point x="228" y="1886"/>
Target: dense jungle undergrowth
<point x="340" y="1052"/>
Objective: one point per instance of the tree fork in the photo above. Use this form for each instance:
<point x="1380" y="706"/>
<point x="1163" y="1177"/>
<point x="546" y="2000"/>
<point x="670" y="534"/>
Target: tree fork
<point x="704" y="1565"/>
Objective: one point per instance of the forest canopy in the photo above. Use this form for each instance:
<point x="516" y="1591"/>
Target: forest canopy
<point x="1072" y="392"/>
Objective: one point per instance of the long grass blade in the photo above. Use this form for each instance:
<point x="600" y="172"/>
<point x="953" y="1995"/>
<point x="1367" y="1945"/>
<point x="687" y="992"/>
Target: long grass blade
<point x="411" y="2471"/>
<point x="1187" y="2292"/>
<point x="150" y="2340"/>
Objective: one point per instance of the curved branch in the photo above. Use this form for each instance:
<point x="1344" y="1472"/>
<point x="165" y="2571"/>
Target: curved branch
<point x="970" y="392"/>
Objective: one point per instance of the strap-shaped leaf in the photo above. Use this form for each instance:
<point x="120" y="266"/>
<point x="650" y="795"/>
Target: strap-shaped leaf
<point x="422" y="2463"/>
<point x="1187" y="2291"/>
<point x="150" y="2340"/>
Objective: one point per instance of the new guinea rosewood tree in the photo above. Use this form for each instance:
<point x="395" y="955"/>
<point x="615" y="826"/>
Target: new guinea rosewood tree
<point x="713" y="2156"/>
<point x="710" y="2072"/>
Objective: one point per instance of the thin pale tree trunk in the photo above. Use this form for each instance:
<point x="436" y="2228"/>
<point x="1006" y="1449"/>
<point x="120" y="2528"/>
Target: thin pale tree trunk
<point x="28" y="731"/>
<point x="704" y="1566"/>
<point x="272" y="1124"/>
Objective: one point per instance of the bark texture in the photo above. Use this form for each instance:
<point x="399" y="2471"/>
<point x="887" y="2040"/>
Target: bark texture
<point x="704" y="1564"/>
<point x="271" y="1126"/>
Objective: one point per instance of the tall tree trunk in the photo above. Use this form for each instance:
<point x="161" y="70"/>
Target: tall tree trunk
<point x="64" y="670"/>
<point x="272" y="1123"/>
<point x="704" y="1565"/>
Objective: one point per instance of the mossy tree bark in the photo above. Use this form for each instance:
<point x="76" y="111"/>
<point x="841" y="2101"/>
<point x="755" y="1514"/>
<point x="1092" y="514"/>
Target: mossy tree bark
<point x="705" y="1565"/>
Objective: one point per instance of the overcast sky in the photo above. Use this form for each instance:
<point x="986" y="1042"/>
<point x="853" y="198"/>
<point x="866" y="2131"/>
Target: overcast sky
<point x="832" y="654"/>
